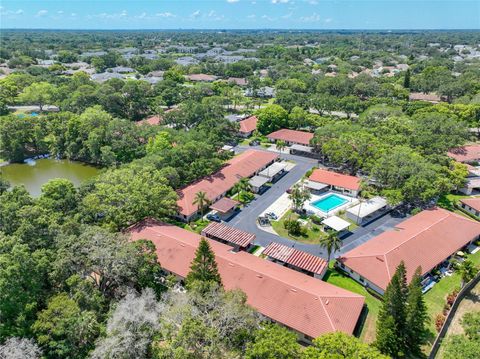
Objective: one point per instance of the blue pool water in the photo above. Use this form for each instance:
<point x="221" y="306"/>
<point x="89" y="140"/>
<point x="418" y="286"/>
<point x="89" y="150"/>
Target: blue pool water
<point x="328" y="203"/>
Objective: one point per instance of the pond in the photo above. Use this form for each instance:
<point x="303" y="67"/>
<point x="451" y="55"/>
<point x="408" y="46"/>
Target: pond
<point x="36" y="173"/>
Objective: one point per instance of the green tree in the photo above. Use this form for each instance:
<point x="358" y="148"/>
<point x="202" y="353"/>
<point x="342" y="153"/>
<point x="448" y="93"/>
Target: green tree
<point x="467" y="270"/>
<point x="203" y="268"/>
<point x="416" y="315"/>
<point x="23" y="285"/>
<point x="120" y="197"/>
<point x="331" y="242"/>
<point x="406" y="79"/>
<point x="340" y="345"/>
<point x="38" y="93"/>
<point x="299" y="195"/>
<point x="160" y="142"/>
<point x="59" y="194"/>
<point x="272" y="118"/>
<point x="273" y="342"/>
<point x="392" y="319"/>
<point x="64" y="330"/>
<point x="201" y="201"/>
<point x="281" y="145"/>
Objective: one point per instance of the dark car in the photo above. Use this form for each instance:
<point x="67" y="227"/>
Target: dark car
<point x="254" y="143"/>
<point x="213" y="217"/>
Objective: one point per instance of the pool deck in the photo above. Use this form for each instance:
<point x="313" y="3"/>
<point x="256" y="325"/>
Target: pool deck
<point x="311" y="209"/>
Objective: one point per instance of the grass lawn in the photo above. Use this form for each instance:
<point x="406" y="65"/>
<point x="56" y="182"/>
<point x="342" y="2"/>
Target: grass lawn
<point x="367" y="332"/>
<point x="435" y="298"/>
<point x="196" y="226"/>
<point x="314" y="232"/>
<point x="450" y="202"/>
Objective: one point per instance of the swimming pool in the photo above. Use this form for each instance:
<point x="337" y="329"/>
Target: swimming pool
<point x="329" y="203"/>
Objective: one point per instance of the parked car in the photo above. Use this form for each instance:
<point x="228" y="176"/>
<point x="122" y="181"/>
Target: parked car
<point x="263" y="221"/>
<point x="271" y="215"/>
<point x="254" y="143"/>
<point x="213" y="217"/>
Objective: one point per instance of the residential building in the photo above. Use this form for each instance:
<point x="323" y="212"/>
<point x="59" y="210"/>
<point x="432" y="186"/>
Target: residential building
<point x="428" y="97"/>
<point x="465" y="154"/>
<point x="471" y="205"/>
<point x="247" y="126"/>
<point x="201" y="78"/>
<point x="424" y="240"/>
<point x="304" y="304"/>
<point x="239" y="240"/>
<point x="245" y="165"/>
<point x="291" y="137"/>
<point x="321" y="180"/>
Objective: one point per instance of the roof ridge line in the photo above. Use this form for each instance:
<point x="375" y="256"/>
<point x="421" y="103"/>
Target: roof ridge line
<point x="281" y="280"/>
<point x="418" y="233"/>
<point x="327" y="314"/>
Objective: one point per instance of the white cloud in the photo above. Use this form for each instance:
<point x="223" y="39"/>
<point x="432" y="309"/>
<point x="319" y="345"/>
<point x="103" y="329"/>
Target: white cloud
<point x="312" y="18"/>
<point x="211" y="13"/>
<point x="195" y="14"/>
<point x="280" y="1"/>
<point x="41" y="13"/>
<point x="104" y="15"/>
<point x="9" y="13"/>
<point x="287" y="16"/>
<point x="328" y="20"/>
<point x="232" y="1"/>
<point x="60" y="12"/>
<point x="252" y="16"/>
<point x="73" y="14"/>
<point x="313" y="2"/>
<point x="268" y="18"/>
<point x="143" y="15"/>
<point x="165" y="14"/>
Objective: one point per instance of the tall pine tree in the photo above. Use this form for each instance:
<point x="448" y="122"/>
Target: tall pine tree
<point x="406" y="79"/>
<point x="203" y="269"/>
<point x="392" y="321"/>
<point x="416" y="315"/>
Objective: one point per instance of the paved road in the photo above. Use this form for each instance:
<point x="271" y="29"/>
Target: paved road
<point x="247" y="218"/>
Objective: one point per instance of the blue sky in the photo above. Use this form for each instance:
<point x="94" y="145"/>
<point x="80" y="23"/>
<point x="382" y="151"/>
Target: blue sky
<point x="240" y="14"/>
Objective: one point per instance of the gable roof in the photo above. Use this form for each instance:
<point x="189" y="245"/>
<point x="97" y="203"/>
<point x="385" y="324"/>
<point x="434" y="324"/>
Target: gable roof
<point x="296" y="258"/>
<point x="425" y="240"/>
<point x="228" y="234"/>
<point x="335" y="179"/>
<point x="473" y="202"/>
<point x="285" y="134"/>
<point x="249" y="124"/>
<point x="465" y="153"/>
<point x="244" y="165"/>
<point x="303" y="303"/>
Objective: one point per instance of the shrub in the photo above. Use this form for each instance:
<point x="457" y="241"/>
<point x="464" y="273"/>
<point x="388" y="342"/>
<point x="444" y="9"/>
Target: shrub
<point x="439" y="320"/>
<point x="316" y="219"/>
<point x="451" y="297"/>
<point x="294" y="227"/>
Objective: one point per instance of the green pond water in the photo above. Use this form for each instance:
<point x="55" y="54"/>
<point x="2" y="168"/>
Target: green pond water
<point x="36" y="173"/>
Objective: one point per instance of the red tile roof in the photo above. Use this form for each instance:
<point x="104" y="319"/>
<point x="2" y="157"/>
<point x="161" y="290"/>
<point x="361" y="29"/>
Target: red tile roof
<point x="469" y="153"/>
<point x="428" y="97"/>
<point x="303" y="303"/>
<point x="229" y="234"/>
<point x="295" y="257"/>
<point x="335" y="179"/>
<point x="473" y="202"/>
<point x="223" y="205"/>
<point x="215" y="185"/>
<point x="201" y="77"/>
<point x="425" y="240"/>
<point x="249" y="124"/>
<point x="152" y="120"/>
<point x="284" y="134"/>
<point x="240" y="81"/>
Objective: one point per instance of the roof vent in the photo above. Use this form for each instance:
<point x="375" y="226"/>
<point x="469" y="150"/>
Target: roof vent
<point x="293" y="290"/>
<point x="259" y="276"/>
<point x="326" y="302"/>
<point x="181" y="244"/>
<point x="380" y="259"/>
<point x="231" y="264"/>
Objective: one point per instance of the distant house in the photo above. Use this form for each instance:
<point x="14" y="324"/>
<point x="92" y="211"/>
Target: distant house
<point x="427" y="97"/>
<point x="308" y="306"/>
<point x="329" y="180"/>
<point x="264" y="92"/>
<point x="248" y="125"/>
<point x="105" y="76"/>
<point x="239" y="81"/>
<point x="245" y="165"/>
<point x="201" y="78"/>
<point x="291" y="137"/>
<point x="121" y="70"/>
<point x="186" y="61"/>
<point x="425" y="240"/>
<point x="471" y="205"/>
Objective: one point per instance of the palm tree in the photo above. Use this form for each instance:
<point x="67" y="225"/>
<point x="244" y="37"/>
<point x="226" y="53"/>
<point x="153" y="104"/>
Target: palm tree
<point x="242" y="186"/>
<point x="201" y="201"/>
<point x="331" y="243"/>
<point x="281" y="145"/>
